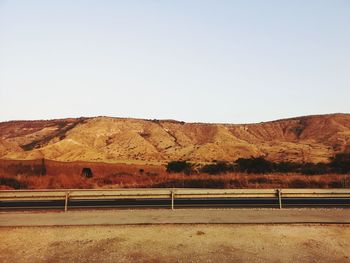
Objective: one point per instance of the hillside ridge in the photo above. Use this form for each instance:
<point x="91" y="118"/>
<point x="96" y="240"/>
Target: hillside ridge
<point x="314" y="138"/>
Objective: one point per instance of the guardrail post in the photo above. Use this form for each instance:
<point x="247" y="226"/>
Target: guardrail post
<point x="172" y="199"/>
<point x="66" y="202"/>
<point x="279" y="192"/>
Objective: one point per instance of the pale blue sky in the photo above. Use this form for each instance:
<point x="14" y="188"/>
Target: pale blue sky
<point x="209" y="61"/>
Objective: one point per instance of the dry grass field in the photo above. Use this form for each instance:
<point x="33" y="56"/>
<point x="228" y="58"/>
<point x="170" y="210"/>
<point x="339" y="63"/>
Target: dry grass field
<point x="61" y="175"/>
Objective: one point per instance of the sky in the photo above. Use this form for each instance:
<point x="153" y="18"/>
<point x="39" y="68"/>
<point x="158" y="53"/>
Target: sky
<point x="190" y="60"/>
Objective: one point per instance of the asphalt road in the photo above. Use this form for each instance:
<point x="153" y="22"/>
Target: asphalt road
<point x="180" y="203"/>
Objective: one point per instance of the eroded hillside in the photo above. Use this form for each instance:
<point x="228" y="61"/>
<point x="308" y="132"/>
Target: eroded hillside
<point x="302" y="139"/>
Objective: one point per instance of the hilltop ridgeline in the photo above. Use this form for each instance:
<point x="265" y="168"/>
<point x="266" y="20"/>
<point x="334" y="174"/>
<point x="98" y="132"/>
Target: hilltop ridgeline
<point x="105" y="139"/>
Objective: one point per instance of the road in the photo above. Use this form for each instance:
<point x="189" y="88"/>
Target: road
<point x="181" y="203"/>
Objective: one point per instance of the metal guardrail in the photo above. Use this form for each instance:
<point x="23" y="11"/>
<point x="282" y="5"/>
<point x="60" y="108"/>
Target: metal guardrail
<point x="172" y="194"/>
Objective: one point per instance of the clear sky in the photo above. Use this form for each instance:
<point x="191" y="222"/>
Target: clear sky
<point x="209" y="61"/>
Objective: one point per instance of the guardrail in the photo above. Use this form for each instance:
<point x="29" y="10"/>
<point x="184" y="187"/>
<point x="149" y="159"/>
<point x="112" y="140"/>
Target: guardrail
<point x="172" y="194"/>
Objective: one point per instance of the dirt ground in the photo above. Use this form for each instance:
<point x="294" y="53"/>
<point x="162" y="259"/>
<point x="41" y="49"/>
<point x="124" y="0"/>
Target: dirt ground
<point x="176" y="243"/>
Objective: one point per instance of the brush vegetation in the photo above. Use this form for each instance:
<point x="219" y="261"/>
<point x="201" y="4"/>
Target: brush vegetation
<point x="92" y="175"/>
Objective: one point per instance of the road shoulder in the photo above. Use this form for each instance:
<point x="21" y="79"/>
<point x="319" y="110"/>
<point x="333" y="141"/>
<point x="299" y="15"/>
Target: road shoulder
<point x="178" y="216"/>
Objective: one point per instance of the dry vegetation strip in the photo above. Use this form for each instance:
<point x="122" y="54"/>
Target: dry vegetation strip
<point x="20" y="175"/>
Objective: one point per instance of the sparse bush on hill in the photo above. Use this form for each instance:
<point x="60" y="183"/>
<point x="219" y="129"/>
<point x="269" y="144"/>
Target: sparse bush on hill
<point x="86" y="172"/>
<point x="258" y="165"/>
<point x="145" y="134"/>
<point x="43" y="167"/>
<point x="341" y="163"/>
<point x="286" y="167"/>
<point x="179" y="167"/>
<point x="297" y="183"/>
<point x="254" y="165"/>
<point x="259" y="180"/>
<point x="194" y="183"/>
<point x="236" y="183"/>
<point x="312" y="168"/>
<point x="217" y="168"/>
<point x="28" y="169"/>
<point x="20" y="168"/>
<point x="335" y="184"/>
<point x="12" y="182"/>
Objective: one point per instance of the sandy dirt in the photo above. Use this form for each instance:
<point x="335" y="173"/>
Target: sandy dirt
<point x="176" y="243"/>
<point x="177" y="216"/>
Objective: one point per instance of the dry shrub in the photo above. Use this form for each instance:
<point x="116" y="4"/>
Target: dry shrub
<point x="34" y="182"/>
<point x="11" y="183"/>
<point x="259" y="180"/>
<point x="335" y="184"/>
<point x="63" y="175"/>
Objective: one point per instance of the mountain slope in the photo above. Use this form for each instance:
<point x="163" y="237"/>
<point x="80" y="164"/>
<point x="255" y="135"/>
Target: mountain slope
<point x="307" y="139"/>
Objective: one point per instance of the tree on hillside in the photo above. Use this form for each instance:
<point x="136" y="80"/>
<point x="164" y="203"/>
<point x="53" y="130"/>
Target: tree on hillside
<point x="179" y="167"/>
<point x="86" y="172"/>
<point x="254" y="165"/>
<point x="43" y="167"/>
<point x="217" y="168"/>
<point x="340" y="163"/>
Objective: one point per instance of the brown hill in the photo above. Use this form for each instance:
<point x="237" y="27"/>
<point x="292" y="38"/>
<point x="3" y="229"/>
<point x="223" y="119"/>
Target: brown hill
<point x="105" y="139"/>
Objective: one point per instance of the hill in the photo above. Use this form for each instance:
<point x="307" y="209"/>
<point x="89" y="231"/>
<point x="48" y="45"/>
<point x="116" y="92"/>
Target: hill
<point x="106" y="139"/>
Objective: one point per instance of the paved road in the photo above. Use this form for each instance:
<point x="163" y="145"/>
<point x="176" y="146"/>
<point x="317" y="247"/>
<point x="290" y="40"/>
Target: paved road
<point x="179" y="216"/>
<point x="181" y="203"/>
